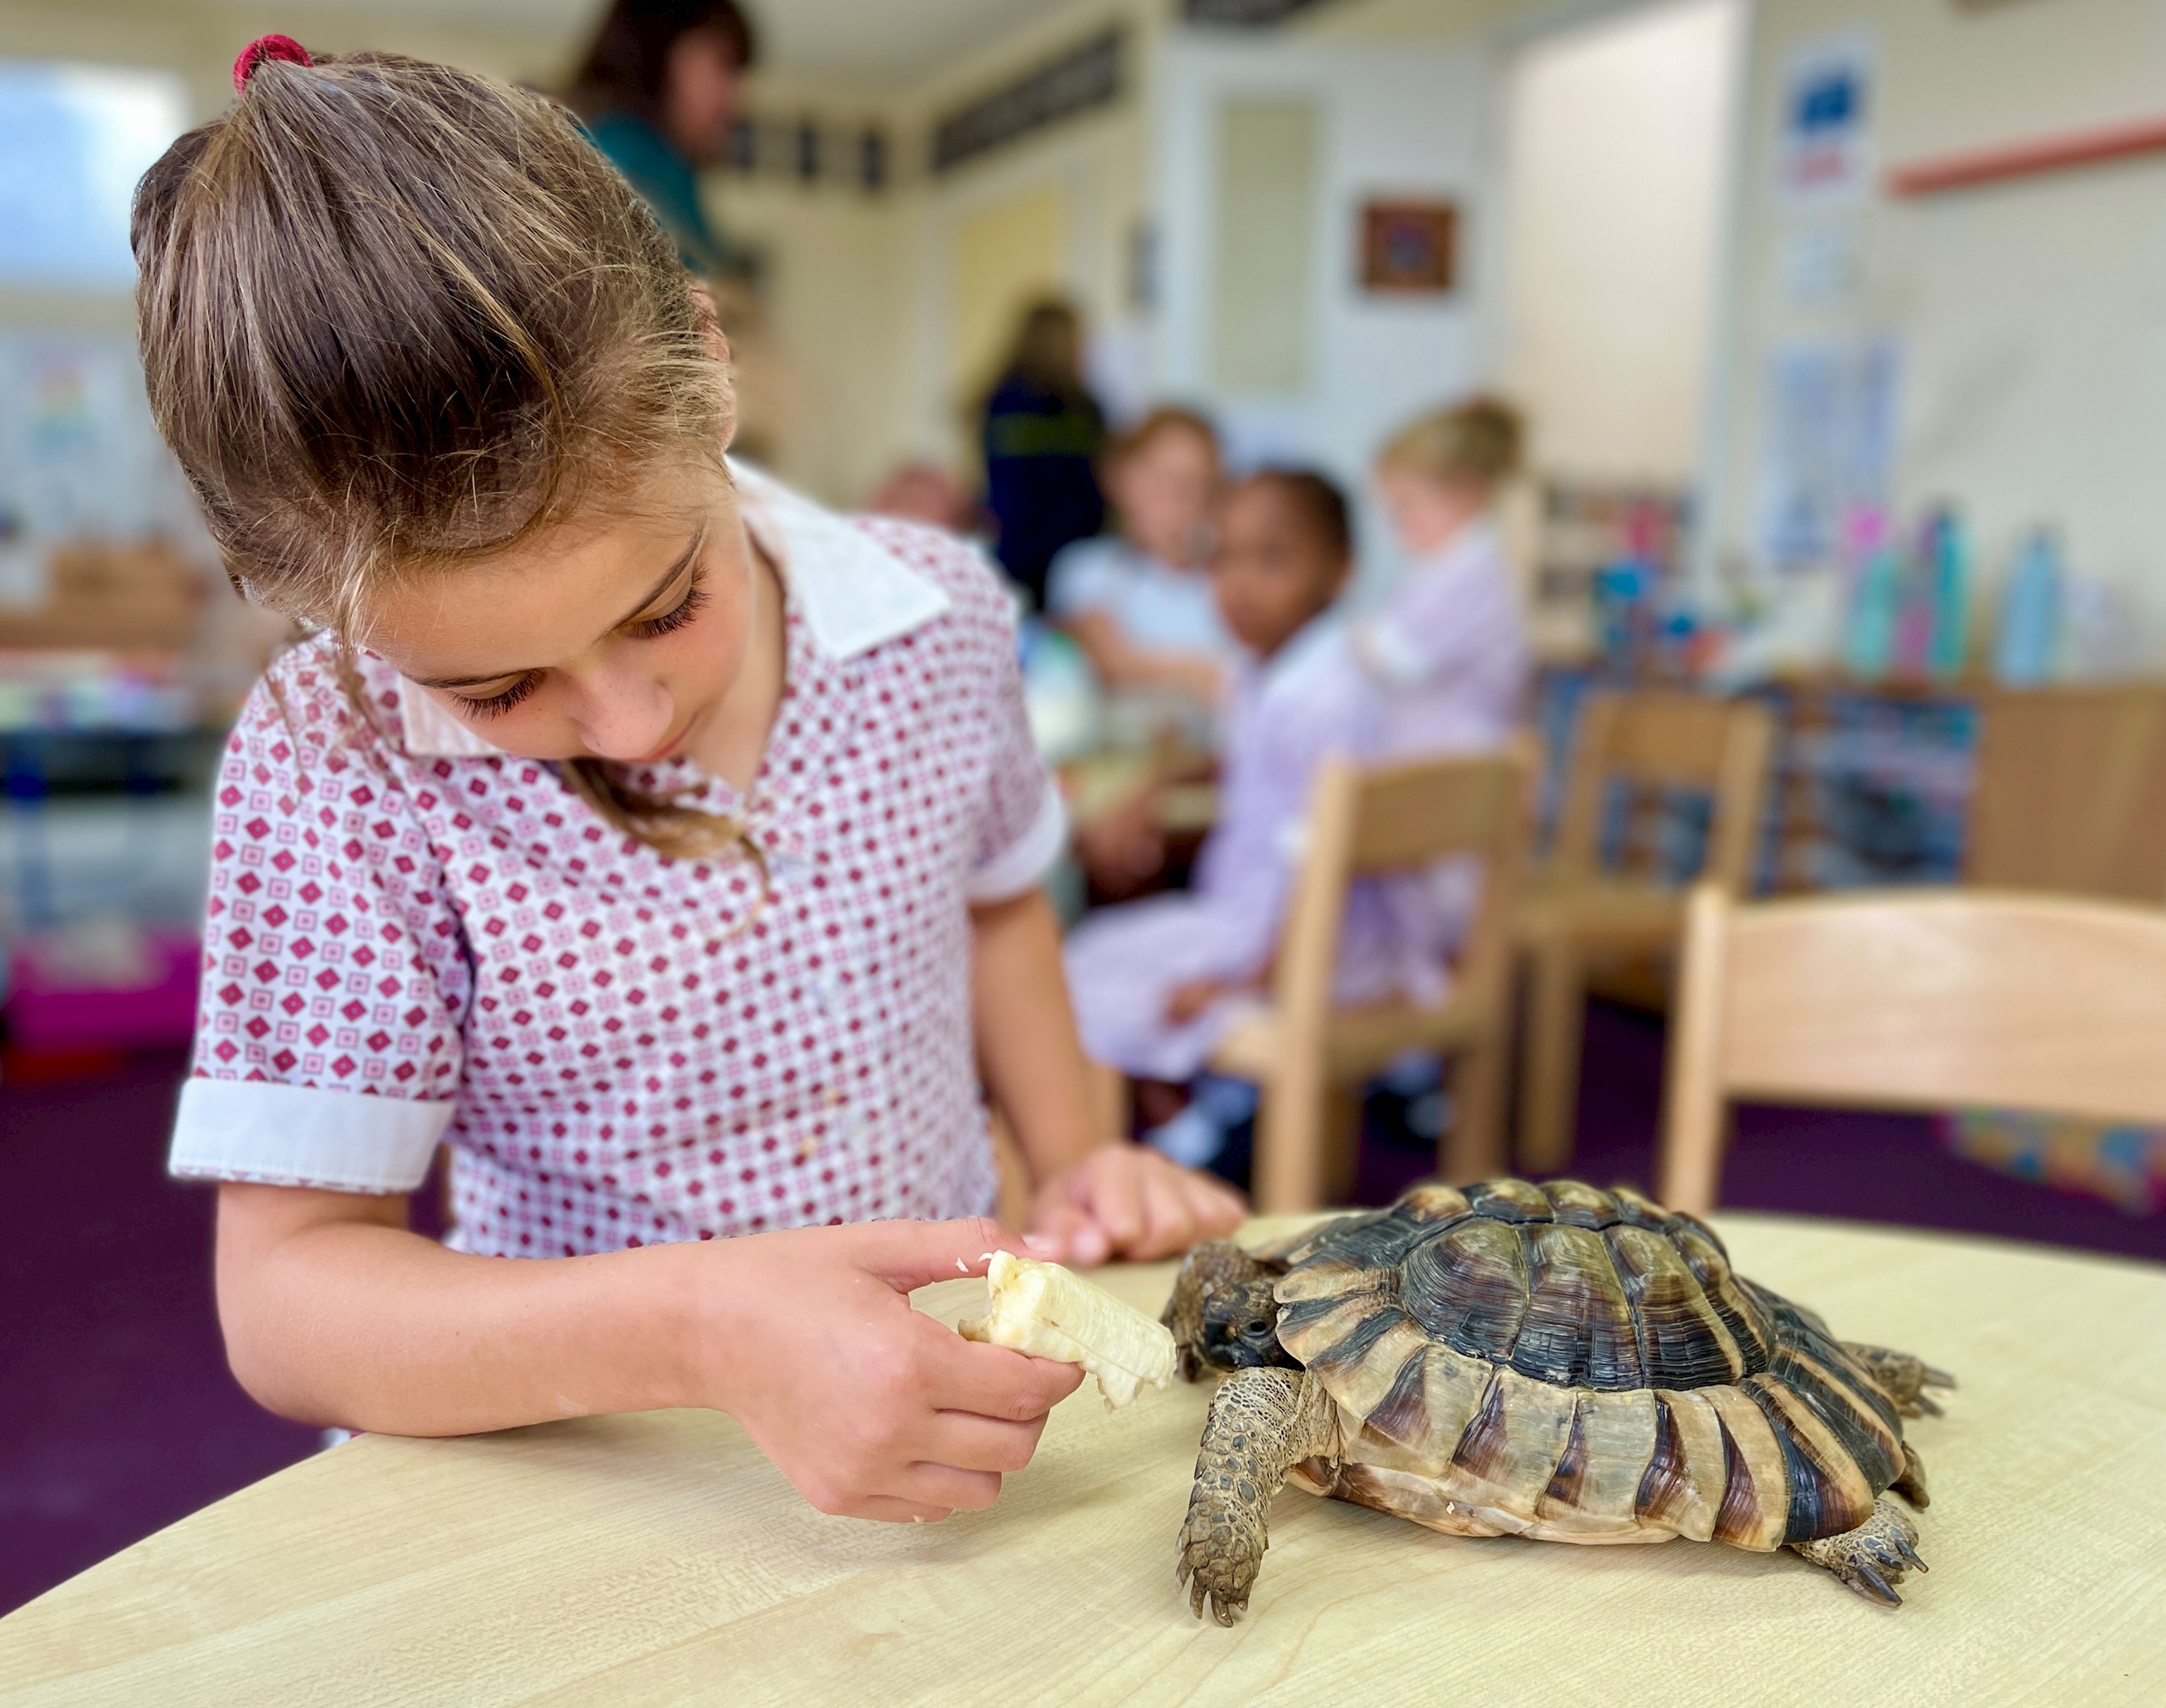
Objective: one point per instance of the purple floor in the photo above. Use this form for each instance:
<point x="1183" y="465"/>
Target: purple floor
<point x="117" y="1415"/>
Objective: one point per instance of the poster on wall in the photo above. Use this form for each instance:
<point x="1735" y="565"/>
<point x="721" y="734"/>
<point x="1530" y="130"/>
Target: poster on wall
<point x="1410" y="248"/>
<point x="1824" y="156"/>
<point x="1829" y="445"/>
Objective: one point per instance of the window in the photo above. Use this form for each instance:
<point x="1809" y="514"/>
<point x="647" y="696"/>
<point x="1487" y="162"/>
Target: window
<point x="73" y="141"/>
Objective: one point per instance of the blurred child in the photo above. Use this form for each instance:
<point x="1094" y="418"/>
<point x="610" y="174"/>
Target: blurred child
<point x="1448" y="644"/>
<point x="1155" y="983"/>
<point x="1140" y="602"/>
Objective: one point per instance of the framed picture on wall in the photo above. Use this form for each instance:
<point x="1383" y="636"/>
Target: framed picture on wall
<point x="1410" y="248"/>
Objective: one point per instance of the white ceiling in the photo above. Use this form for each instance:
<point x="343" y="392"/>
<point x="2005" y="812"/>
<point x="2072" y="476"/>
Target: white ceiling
<point x="872" y="42"/>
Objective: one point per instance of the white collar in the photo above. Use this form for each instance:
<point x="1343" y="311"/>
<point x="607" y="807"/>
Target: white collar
<point x="854" y="594"/>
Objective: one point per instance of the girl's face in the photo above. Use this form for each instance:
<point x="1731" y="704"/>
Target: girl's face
<point x="618" y="640"/>
<point x="1272" y="571"/>
<point x="1165" y="490"/>
<point x="1426" y="512"/>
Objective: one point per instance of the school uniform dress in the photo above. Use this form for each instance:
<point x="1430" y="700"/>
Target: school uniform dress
<point x="1449" y="646"/>
<point x="1288" y="715"/>
<point x="414" y="939"/>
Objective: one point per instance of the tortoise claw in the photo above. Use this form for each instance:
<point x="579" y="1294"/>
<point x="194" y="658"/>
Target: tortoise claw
<point x="1872" y="1559"/>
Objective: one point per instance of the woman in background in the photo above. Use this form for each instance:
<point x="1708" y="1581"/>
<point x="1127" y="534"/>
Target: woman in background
<point x="659" y="91"/>
<point x="1449" y="645"/>
<point x="1041" y="432"/>
<point x="1139" y="601"/>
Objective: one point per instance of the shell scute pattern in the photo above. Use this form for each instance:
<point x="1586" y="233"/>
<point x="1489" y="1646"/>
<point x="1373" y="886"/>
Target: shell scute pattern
<point x="1561" y="1360"/>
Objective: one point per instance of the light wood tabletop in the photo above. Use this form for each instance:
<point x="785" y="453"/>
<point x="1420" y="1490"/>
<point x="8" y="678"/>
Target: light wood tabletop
<point x="660" y="1559"/>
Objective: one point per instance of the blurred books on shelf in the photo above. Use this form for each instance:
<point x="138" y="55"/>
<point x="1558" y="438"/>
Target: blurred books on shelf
<point x="108" y="596"/>
<point x="95" y="691"/>
<point x="1606" y="577"/>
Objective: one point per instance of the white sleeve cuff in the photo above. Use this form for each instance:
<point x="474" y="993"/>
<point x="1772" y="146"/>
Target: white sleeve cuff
<point x="1026" y="860"/>
<point x="1389" y="655"/>
<point x="300" y="1136"/>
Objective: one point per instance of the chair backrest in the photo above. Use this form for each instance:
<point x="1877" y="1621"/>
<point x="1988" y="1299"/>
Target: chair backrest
<point x="1402" y="817"/>
<point x="1916" y="999"/>
<point x="2071" y="792"/>
<point x="1662" y="739"/>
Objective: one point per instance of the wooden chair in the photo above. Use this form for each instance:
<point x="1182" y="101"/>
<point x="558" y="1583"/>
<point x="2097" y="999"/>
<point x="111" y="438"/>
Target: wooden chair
<point x="1310" y="1058"/>
<point x="2071" y="792"/>
<point x="1575" y="915"/>
<point x="1918" y="999"/>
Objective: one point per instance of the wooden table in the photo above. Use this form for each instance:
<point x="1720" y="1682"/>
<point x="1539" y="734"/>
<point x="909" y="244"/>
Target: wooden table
<point x="659" y="1559"/>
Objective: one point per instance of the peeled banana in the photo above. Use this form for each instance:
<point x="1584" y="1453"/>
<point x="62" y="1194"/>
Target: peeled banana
<point x="1055" y="1313"/>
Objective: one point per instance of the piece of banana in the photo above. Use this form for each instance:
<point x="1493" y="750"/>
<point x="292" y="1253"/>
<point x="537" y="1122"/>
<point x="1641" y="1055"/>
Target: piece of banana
<point x="1055" y="1313"/>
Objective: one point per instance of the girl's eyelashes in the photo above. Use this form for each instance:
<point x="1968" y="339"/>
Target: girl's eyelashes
<point x="649" y="629"/>
<point x="686" y="609"/>
<point x="496" y="704"/>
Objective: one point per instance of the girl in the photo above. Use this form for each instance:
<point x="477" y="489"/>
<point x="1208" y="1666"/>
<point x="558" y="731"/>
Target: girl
<point x="1139" y="602"/>
<point x="664" y="843"/>
<point x="1156" y="982"/>
<point x="1449" y="643"/>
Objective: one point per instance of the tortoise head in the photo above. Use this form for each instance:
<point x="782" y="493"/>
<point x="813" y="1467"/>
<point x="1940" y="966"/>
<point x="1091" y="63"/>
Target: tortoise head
<point x="1222" y="1313"/>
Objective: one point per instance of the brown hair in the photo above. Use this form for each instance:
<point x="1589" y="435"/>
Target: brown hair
<point x="1167" y="418"/>
<point x="396" y="317"/>
<point x="626" y="67"/>
<point x="1048" y="341"/>
<point x="1479" y="441"/>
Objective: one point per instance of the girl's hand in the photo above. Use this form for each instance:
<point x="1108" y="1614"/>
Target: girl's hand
<point x="871" y="1409"/>
<point x="1184" y="1002"/>
<point x="1124" y="1200"/>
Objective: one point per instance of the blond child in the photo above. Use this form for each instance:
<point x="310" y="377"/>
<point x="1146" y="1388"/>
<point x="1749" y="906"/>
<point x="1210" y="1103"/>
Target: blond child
<point x="1139" y="601"/>
<point x="662" y="844"/>
<point x="1448" y="644"/>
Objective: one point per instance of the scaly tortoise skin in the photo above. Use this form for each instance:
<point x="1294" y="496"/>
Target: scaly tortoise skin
<point x="1553" y="1362"/>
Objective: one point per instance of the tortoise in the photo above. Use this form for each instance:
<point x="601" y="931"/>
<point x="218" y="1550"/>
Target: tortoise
<point x="1553" y="1362"/>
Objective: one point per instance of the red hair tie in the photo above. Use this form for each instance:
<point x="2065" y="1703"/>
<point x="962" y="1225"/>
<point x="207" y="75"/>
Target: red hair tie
<point x="283" y="48"/>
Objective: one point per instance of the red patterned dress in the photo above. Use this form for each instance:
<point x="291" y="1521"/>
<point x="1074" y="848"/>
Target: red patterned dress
<point x="415" y="939"/>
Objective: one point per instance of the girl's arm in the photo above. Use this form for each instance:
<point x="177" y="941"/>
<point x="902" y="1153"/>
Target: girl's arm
<point x="334" y="1313"/>
<point x="1095" y="1196"/>
<point x="1119" y="662"/>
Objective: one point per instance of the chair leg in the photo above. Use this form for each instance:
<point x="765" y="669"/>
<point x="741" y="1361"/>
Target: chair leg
<point x="1292" y="1133"/>
<point x="1472" y="1147"/>
<point x="1549" y="1087"/>
<point x="1342" y="1142"/>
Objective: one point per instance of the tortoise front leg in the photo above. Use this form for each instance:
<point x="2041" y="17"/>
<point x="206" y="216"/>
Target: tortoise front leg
<point x="1262" y="1423"/>
<point x="1903" y="1377"/>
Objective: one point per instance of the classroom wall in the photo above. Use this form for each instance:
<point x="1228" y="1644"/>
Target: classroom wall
<point x="1615" y="176"/>
<point x="2025" y="318"/>
<point x="1409" y="121"/>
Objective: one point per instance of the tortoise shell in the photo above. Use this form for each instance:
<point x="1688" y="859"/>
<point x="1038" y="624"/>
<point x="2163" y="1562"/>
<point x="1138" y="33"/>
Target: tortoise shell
<point x="1578" y="1365"/>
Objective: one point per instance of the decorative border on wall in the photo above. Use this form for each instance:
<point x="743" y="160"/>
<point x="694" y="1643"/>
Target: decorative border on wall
<point x="1080" y="80"/>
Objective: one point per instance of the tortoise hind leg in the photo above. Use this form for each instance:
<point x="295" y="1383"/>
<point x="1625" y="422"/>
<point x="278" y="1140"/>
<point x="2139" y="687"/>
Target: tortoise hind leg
<point x="1872" y="1558"/>
<point x="1903" y="1377"/>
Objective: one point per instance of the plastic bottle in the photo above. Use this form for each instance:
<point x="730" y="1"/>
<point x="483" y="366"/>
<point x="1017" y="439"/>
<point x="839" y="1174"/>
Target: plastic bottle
<point x="1869" y="641"/>
<point x="1949" y="566"/>
<point x="2030" y="614"/>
